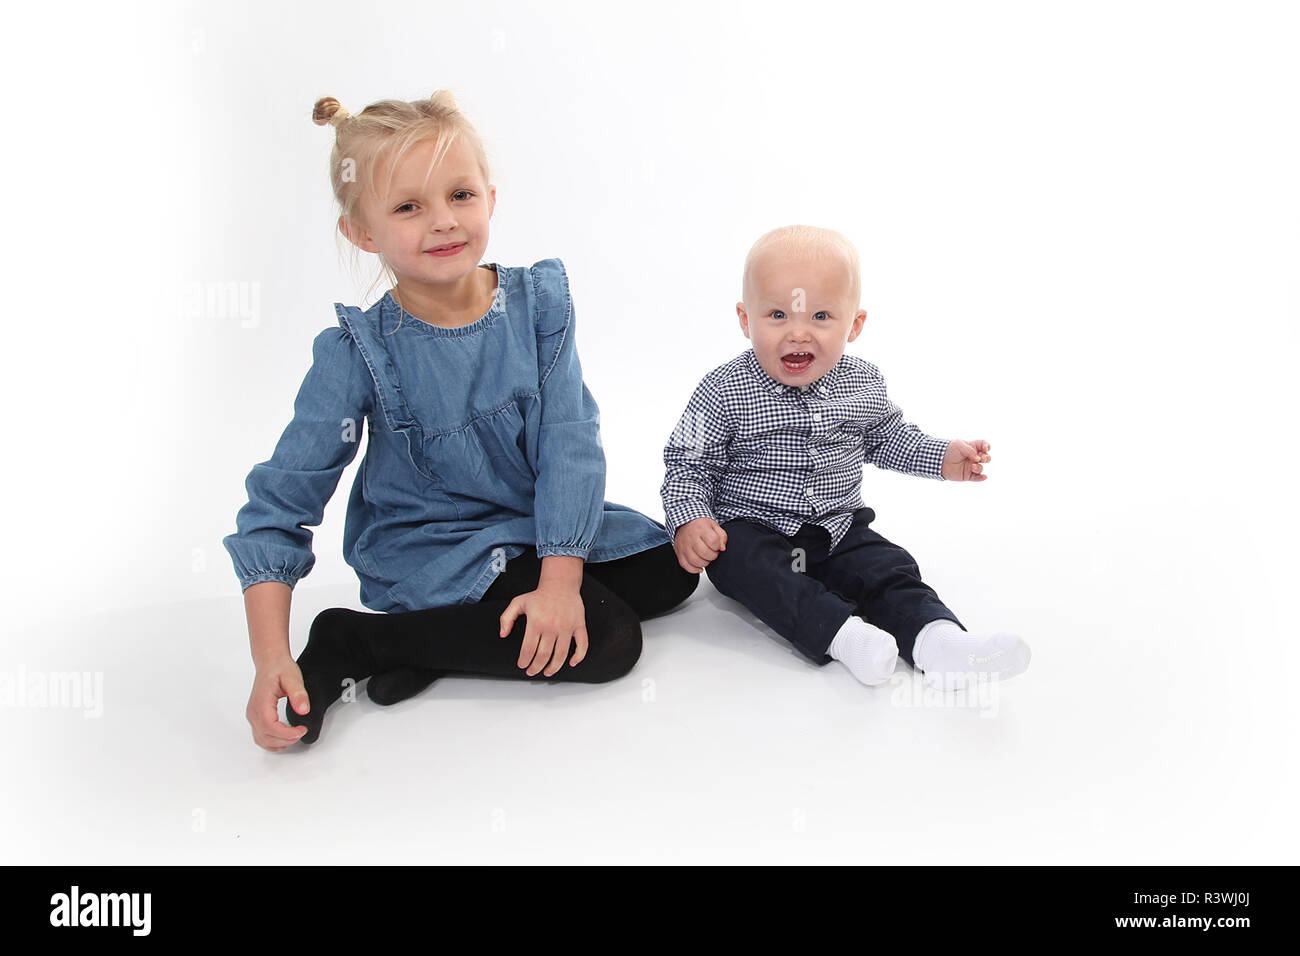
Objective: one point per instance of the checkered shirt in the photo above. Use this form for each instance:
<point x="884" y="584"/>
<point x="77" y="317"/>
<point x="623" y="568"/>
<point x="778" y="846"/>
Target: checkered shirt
<point x="748" y="446"/>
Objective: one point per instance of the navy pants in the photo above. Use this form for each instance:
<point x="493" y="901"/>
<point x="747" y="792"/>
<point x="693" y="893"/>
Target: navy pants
<point x="804" y="592"/>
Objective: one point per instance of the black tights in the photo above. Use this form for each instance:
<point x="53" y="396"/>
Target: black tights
<point x="464" y="638"/>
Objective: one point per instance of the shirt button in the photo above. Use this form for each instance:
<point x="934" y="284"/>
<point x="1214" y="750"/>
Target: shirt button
<point x="817" y="417"/>
<point x="824" y="389"/>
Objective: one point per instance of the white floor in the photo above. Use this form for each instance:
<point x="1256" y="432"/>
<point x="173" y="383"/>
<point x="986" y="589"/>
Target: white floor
<point x="1077" y="229"/>
<point x="1132" y="741"/>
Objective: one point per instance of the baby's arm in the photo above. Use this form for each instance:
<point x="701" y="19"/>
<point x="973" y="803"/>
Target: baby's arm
<point x="894" y="443"/>
<point x="695" y="459"/>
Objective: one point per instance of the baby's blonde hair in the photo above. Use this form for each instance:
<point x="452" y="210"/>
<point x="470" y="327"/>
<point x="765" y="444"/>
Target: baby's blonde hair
<point x="382" y="133"/>
<point x="807" y="243"/>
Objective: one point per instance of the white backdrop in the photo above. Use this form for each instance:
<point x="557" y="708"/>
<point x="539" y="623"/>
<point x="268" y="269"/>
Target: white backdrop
<point x="1078" y="225"/>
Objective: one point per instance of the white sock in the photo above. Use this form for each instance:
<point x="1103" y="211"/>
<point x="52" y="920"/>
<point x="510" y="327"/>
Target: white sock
<point x="951" y="658"/>
<point x="867" y="651"/>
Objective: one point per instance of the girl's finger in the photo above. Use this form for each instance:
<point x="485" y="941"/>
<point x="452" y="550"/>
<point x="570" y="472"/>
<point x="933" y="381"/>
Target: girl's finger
<point x="267" y="715"/>
<point x="296" y="693"/>
<point x="542" y="655"/>
<point x="558" y="655"/>
<point x="508" y="617"/>
<point x="528" y="646"/>
<point x="580" y="645"/>
<point x="276" y="742"/>
<point x="534" y="651"/>
<point x="278" y="734"/>
<point x="283" y="731"/>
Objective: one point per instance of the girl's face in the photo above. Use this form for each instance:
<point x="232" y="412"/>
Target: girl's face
<point x="430" y="229"/>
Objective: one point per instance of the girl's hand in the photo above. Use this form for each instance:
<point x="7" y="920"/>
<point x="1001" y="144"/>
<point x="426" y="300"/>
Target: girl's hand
<point x="556" y="616"/>
<point x="962" y="460"/>
<point x="274" y="680"/>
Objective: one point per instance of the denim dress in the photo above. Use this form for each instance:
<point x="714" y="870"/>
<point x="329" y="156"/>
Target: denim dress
<point x="483" y="439"/>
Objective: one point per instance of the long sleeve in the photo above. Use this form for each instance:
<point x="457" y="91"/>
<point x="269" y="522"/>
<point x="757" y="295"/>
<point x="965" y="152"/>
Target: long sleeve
<point x="694" y="459"/>
<point x="898" y="445"/>
<point x="570" y="487"/>
<point x="288" y="493"/>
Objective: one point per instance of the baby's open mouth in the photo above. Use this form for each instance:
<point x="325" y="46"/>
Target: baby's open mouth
<point x="796" y="362"/>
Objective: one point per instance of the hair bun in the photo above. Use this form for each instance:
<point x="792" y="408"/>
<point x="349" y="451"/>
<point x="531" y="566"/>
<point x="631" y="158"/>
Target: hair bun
<point x="328" y="110"/>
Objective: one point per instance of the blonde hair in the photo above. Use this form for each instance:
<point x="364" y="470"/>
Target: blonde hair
<point x="809" y="243"/>
<point x="383" y="133"/>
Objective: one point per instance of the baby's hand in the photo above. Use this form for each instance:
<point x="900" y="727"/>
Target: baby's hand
<point x="961" y="460"/>
<point x="698" y="542"/>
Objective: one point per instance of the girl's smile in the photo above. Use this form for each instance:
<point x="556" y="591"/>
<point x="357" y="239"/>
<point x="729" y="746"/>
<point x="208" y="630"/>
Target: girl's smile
<point x="450" y="250"/>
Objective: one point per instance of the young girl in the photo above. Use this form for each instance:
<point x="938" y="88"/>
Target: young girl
<point x="477" y="519"/>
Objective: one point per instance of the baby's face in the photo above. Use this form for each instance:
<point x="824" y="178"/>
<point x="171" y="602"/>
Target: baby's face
<point x="799" y="316"/>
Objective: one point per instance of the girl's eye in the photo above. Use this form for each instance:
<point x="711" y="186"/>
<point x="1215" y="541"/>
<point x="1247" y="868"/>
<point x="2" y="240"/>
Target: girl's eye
<point x="778" y="314"/>
<point x="826" y="314"/>
<point x="460" y="192"/>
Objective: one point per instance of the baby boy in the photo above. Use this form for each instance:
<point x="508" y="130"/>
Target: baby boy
<point x="764" y="471"/>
